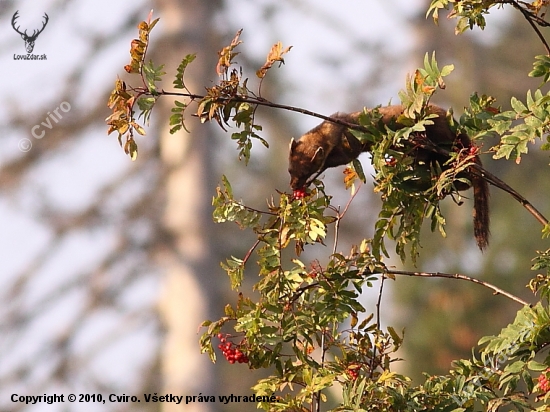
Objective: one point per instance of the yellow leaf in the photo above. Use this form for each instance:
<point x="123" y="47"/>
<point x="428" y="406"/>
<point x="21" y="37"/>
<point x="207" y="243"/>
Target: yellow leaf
<point x="349" y="177"/>
<point x="227" y="55"/>
<point x="138" y="129"/>
<point x="354" y="319"/>
<point x="386" y="376"/>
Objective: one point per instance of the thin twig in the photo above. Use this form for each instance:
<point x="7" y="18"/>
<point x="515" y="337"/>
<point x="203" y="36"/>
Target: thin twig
<point x="263" y="102"/>
<point x="249" y="253"/>
<point x="538" y="19"/>
<point x="495" y="181"/>
<point x="529" y="17"/>
<point x="495" y="289"/>
<point x="340" y="216"/>
<point x="378" y="324"/>
<point x="317" y="395"/>
<point x="379" y="301"/>
<point x="336" y="230"/>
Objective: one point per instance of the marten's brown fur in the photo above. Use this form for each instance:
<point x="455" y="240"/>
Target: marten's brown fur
<point x="331" y="144"/>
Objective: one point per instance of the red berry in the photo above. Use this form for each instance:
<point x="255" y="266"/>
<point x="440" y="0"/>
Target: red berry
<point x="544" y="383"/>
<point x="299" y="193"/>
<point x="220" y="335"/>
<point x="474" y="150"/>
<point x="391" y="161"/>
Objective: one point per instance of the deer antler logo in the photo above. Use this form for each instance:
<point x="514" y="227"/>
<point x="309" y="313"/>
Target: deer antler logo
<point x="29" y="40"/>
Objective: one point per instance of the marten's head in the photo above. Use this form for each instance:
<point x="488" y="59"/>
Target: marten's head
<point x="303" y="162"/>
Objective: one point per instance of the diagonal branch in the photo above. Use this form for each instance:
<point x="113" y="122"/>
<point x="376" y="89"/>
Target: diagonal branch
<point x="531" y="18"/>
<point x="495" y="289"/>
<point x="495" y="181"/>
<point x="489" y="177"/>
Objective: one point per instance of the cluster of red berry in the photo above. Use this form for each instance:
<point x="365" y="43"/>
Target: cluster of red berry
<point x="231" y="351"/>
<point x="299" y="193"/>
<point x="391" y="161"/>
<point x="474" y="150"/>
<point x="544" y="383"/>
<point x="316" y="268"/>
<point x="313" y="274"/>
<point x="353" y="371"/>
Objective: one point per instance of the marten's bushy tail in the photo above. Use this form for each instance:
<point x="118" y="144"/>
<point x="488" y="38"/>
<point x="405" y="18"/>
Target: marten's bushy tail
<point x="481" y="210"/>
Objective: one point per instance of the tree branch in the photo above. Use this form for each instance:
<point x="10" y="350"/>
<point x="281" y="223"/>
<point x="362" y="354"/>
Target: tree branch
<point x="260" y="101"/>
<point x="378" y="324"/>
<point x="495" y="289"/>
<point x="489" y="177"/>
<point x="495" y="181"/>
<point x="340" y="216"/>
<point x="531" y="18"/>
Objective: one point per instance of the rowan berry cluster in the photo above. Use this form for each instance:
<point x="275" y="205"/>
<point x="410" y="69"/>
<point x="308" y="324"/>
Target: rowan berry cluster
<point x="232" y="352"/>
<point x="316" y="269"/>
<point x="299" y="193"/>
<point x="353" y="371"/>
<point x="391" y="161"/>
<point x="544" y="383"/>
<point x="474" y="150"/>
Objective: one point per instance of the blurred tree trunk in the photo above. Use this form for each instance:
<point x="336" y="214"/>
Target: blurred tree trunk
<point x="189" y="286"/>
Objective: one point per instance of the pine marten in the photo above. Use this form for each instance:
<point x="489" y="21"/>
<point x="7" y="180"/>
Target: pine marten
<point x="331" y="144"/>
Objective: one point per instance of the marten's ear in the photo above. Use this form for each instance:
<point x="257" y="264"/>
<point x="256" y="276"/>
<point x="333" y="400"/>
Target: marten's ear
<point x="292" y="145"/>
<point x="318" y="159"/>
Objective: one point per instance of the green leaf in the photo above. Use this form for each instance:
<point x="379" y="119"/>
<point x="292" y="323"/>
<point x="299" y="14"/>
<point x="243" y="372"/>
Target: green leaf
<point x="446" y="70"/>
<point x="180" y="72"/>
<point x="541" y="68"/>
<point x="153" y="74"/>
<point x="177" y="120"/>
<point x="536" y="366"/>
<point x="518" y="106"/>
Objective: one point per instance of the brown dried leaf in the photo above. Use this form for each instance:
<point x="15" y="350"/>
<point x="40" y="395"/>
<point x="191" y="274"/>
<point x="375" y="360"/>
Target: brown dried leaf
<point x="226" y="55"/>
<point x="275" y="55"/>
<point x="350" y="176"/>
